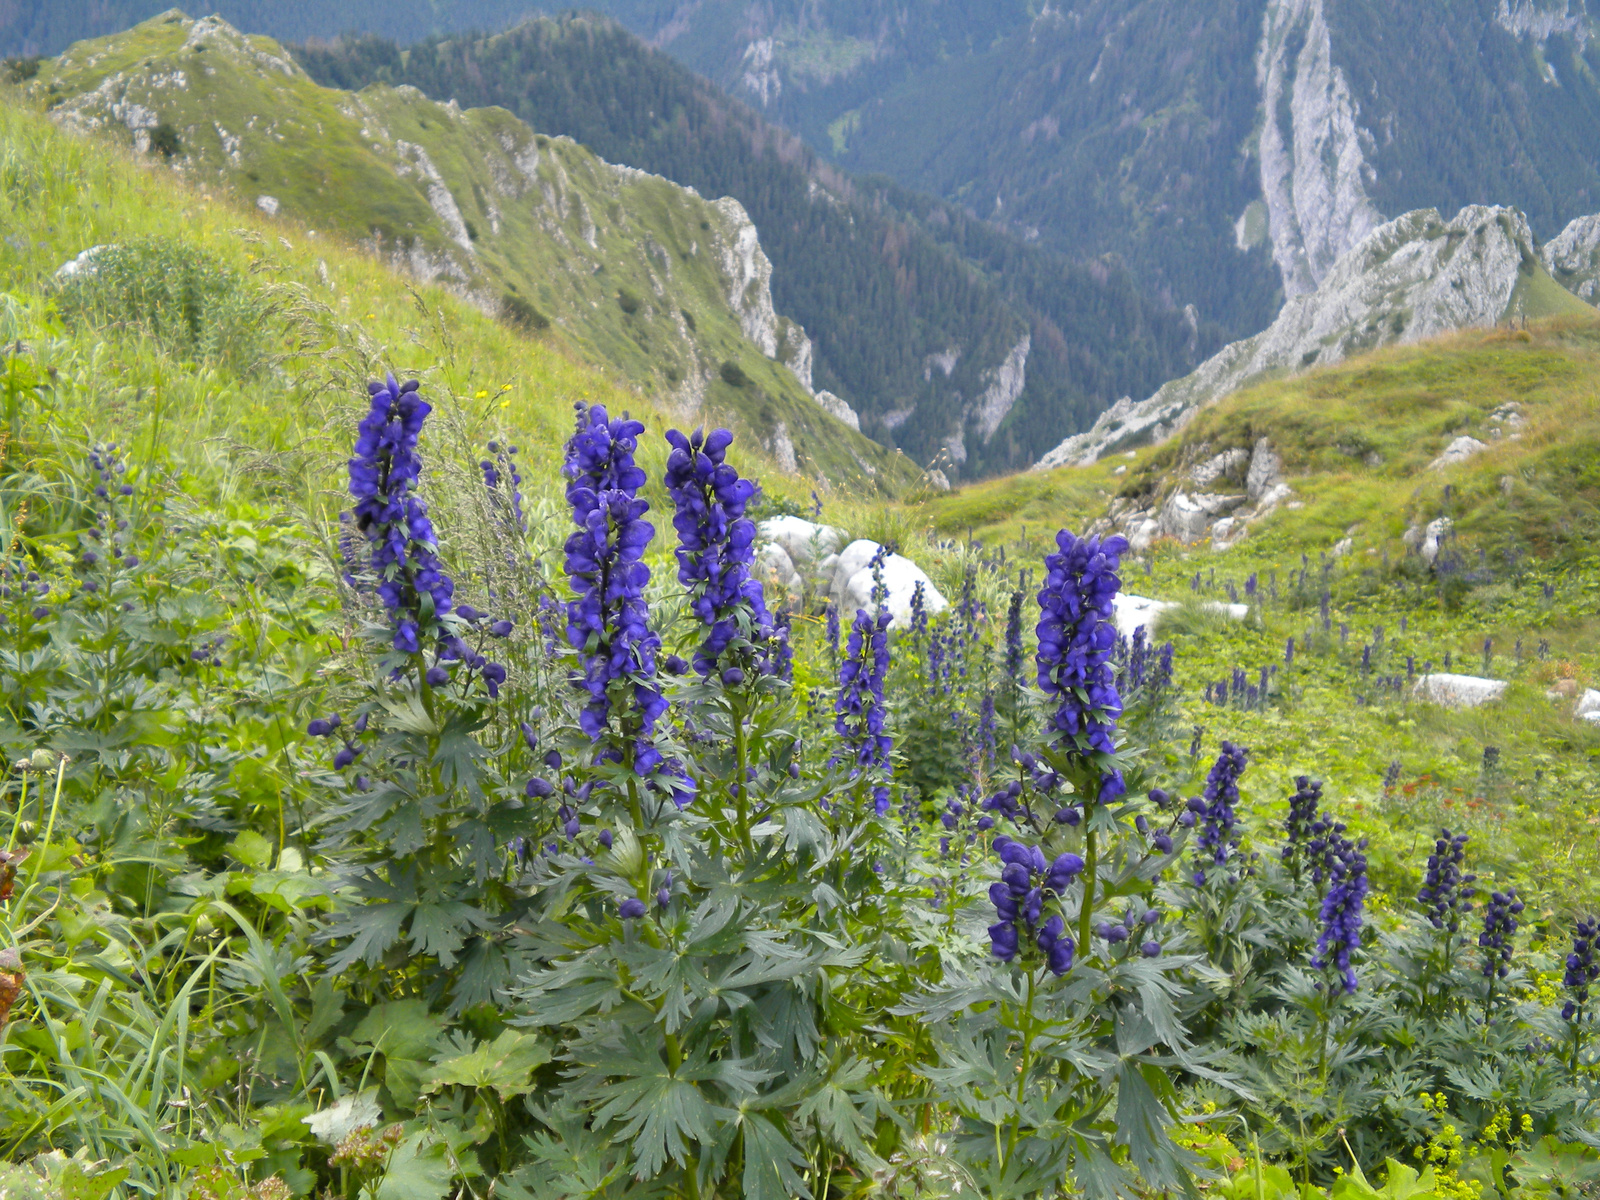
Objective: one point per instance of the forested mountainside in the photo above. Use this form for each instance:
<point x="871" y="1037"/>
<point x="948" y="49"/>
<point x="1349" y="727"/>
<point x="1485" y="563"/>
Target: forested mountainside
<point x="945" y="333"/>
<point x="645" y="278"/>
<point x="1143" y="127"/>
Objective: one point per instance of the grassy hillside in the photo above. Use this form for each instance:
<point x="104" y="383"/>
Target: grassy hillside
<point x="1521" y="573"/>
<point x="661" y="287"/>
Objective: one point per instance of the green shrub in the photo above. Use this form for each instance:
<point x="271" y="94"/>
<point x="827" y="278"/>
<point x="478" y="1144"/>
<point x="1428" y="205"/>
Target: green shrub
<point x="176" y="293"/>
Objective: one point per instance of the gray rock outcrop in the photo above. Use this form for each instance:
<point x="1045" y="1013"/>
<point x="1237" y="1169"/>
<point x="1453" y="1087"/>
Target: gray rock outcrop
<point x="1412" y="278"/>
<point x="1458" y="691"/>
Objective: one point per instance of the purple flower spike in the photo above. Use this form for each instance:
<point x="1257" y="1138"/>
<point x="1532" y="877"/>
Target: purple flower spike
<point x="716" y="547"/>
<point x="1077" y="638"/>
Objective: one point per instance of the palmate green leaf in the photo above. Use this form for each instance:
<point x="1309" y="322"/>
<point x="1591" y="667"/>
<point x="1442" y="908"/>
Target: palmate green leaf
<point x="832" y="1108"/>
<point x="771" y="1163"/>
<point x="439" y="928"/>
<point x="419" y="1169"/>
<point x="661" y="1115"/>
<point x="371" y="928"/>
<point x="506" y="1065"/>
<point x="570" y="1160"/>
<point x="1142" y="1123"/>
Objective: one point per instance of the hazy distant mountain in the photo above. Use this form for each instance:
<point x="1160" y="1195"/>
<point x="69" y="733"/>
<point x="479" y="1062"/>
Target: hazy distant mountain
<point x="1230" y="152"/>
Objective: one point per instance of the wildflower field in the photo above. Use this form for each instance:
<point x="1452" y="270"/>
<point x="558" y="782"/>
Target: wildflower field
<point x="414" y="794"/>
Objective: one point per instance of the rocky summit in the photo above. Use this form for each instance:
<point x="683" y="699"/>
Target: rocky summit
<point x="1409" y="279"/>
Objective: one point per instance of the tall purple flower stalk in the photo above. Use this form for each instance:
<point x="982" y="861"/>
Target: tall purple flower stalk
<point x="1342" y="909"/>
<point x="716" y="545"/>
<point x="504" y="483"/>
<point x="1077" y="637"/>
<point x="859" y="711"/>
<point x="384" y="472"/>
<point x="1499" y="928"/>
<point x="1583" y="967"/>
<point x="1216" y="810"/>
<point x="1446" y="894"/>
<point x="608" y="622"/>
<point x="1297" y="828"/>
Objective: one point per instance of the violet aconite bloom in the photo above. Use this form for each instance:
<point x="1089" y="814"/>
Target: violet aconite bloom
<point x="1342" y="909"/>
<point x="1499" y="928"/>
<point x="608" y="621"/>
<point x="1446" y="894"/>
<point x="859" y="710"/>
<point x="384" y="472"/>
<point x="1583" y="967"/>
<point x="1077" y="637"/>
<point x="1216" y="811"/>
<point x="1302" y="815"/>
<point x="503" y="481"/>
<point x="1019" y="897"/>
<point x="716" y="544"/>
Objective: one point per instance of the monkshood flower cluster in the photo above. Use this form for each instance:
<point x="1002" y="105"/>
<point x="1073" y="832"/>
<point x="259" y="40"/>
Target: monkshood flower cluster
<point x="608" y="621"/>
<point x="859" y="710"/>
<point x="1077" y="637"/>
<point x="384" y="472"/>
<point x="1583" y="967"/>
<point x="1446" y="894"/>
<point x="1303" y="805"/>
<point x="1499" y="928"/>
<point x="1216" y="810"/>
<point x="716" y="546"/>
<point x="1026" y="881"/>
<point x="1342" y="908"/>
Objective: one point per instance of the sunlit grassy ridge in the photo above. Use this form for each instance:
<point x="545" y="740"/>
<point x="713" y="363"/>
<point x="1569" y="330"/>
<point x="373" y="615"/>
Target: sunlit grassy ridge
<point x="633" y="271"/>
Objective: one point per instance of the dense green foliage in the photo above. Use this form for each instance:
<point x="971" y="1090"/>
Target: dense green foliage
<point x="883" y="281"/>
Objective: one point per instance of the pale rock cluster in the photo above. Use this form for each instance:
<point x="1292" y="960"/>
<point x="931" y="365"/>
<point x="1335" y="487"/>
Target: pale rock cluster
<point x="1427" y="540"/>
<point x="796" y="555"/>
<point x="1218" y="498"/>
<point x="1457" y="691"/>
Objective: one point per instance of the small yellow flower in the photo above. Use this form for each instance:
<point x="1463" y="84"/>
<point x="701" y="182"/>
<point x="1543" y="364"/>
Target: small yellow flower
<point x="505" y="404"/>
<point x="480" y="395"/>
<point x="505" y="387"/>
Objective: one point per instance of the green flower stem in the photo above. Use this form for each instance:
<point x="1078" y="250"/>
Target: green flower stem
<point x="1090" y="865"/>
<point x="741" y="792"/>
<point x="1025" y="1028"/>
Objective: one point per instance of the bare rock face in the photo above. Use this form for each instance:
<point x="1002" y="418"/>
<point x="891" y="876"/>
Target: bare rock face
<point x="1266" y="471"/>
<point x="1412" y="278"/>
<point x="1573" y="258"/>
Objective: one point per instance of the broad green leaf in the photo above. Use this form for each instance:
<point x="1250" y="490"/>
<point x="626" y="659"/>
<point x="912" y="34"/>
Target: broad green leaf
<point x="399" y="1029"/>
<point x="419" y="1169"/>
<point x="771" y="1164"/>
<point x="506" y="1065"/>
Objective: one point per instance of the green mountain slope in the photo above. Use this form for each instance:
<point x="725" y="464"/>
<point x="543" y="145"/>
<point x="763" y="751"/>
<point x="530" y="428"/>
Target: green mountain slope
<point x="918" y="311"/>
<point x="666" y="288"/>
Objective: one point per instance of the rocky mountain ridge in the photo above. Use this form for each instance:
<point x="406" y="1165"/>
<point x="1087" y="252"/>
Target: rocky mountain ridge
<point x="1409" y="279"/>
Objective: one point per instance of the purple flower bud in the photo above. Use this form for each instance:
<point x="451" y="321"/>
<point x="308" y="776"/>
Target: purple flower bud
<point x="733" y="677"/>
<point x="1151" y="916"/>
<point x="530" y="737"/>
<point x="552" y="759"/>
<point x="675" y="665"/>
<point x="345" y="757"/>
<point x="664" y="897"/>
<point x="436" y="676"/>
<point x="630" y="909"/>
<point x="321" y="727"/>
<point x="605" y="838"/>
<point x="501" y="629"/>
<point x="40" y="614"/>
<point x="539" y="788"/>
<point x="1151" y="949"/>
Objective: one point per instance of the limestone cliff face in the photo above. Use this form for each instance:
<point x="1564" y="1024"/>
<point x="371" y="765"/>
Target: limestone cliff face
<point x="1412" y="278"/>
<point x="1573" y="258"/>
<point x="1313" y="171"/>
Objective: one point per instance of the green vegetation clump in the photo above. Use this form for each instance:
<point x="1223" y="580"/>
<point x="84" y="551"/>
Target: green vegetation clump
<point x="190" y="301"/>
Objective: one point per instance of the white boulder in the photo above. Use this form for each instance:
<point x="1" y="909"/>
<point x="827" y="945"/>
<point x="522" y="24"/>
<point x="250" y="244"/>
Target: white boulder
<point x="1129" y="612"/>
<point x="805" y="542"/>
<point x="83" y="264"/>
<point x="1588" y="706"/>
<point x="900" y="579"/>
<point x="1458" y="691"/>
<point x="1433" y="536"/>
<point x="775" y="570"/>
<point x="1457" y="451"/>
